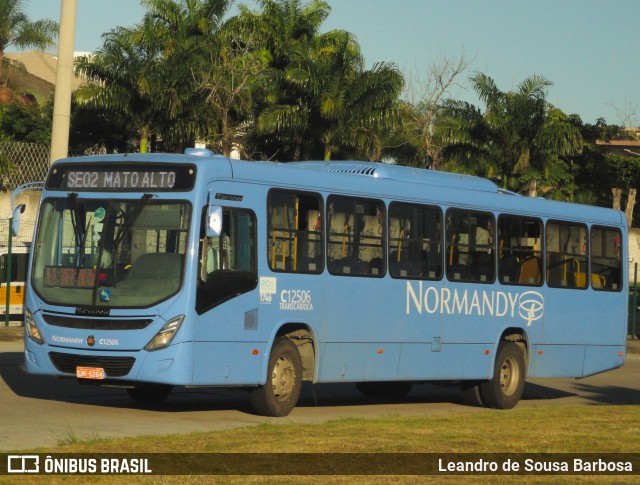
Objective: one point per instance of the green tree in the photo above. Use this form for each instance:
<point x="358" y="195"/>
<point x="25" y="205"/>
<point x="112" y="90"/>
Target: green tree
<point x="228" y="84"/>
<point x="518" y="131"/>
<point x="416" y="141"/>
<point x="319" y="99"/>
<point x="25" y="123"/>
<point x="122" y="83"/>
<point x="145" y="77"/>
<point x="16" y="29"/>
<point x="284" y="28"/>
<point x="189" y="35"/>
<point x="593" y="173"/>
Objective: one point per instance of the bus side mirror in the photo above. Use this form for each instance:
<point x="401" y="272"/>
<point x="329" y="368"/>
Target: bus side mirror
<point x="15" y="223"/>
<point x="214" y="221"/>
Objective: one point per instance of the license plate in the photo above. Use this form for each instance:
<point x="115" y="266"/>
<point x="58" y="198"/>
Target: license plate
<point x="89" y="373"/>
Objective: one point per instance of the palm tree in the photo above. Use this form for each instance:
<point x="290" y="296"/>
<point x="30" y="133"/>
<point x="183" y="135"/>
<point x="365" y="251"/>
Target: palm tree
<point x="283" y="28"/>
<point x="122" y="82"/>
<point x="282" y="25"/>
<point x="519" y="130"/>
<point x="189" y="34"/>
<point x="16" y="29"/>
<point x="321" y="100"/>
<point x="144" y="76"/>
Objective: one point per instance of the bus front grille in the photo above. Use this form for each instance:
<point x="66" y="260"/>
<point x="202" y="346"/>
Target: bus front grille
<point x="96" y="323"/>
<point x="113" y="366"/>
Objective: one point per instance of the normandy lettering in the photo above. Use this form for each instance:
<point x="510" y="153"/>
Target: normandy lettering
<point x="528" y="305"/>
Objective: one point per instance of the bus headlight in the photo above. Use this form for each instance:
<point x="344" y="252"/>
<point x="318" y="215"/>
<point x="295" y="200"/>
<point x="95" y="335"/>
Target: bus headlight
<point x="32" y="328"/>
<point x="165" y="335"/>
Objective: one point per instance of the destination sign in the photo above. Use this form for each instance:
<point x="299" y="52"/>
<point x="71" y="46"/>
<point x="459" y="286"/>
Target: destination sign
<point x="120" y="177"/>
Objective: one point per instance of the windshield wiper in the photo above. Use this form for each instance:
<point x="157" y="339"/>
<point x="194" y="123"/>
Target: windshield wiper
<point x="77" y="222"/>
<point x="127" y="222"/>
<point x="72" y="202"/>
<point x="130" y="220"/>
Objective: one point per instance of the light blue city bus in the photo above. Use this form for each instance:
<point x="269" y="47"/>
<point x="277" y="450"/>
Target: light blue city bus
<point x="150" y="271"/>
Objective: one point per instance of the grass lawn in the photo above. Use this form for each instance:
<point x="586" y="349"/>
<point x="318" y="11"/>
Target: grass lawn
<point x="585" y="429"/>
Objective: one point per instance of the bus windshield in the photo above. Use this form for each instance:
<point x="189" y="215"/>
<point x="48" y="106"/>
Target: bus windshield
<point x="110" y="253"/>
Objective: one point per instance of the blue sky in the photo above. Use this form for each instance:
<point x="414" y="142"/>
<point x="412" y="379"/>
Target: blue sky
<point x="589" y="49"/>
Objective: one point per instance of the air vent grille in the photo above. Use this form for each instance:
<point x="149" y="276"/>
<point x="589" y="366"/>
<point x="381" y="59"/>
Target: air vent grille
<point x="113" y="366"/>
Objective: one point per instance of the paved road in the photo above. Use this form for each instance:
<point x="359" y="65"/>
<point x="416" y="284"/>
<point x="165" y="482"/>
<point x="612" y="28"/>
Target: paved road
<point x="37" y="411"/>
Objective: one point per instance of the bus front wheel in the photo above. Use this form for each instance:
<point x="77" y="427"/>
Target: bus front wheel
<point x="505" y="389"/>
<point x="280" y="393"/>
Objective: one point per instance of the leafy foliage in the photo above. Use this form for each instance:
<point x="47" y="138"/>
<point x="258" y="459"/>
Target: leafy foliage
<point x="16" y="29"/>
<point x="142" y="77"/>
<point x="26" y="123"/>
<point x="518" y="131"/>
<point x="273" y="85"/>
<point x="317" y="99"/>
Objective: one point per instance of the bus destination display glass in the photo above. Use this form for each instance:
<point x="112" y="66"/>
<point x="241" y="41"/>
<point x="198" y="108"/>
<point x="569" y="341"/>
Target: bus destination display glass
<point x="122" y="178"/>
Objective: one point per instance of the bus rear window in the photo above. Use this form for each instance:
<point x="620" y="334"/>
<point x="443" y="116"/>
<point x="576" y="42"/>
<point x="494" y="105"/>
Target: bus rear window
<point x="606" y="259"/>
<point x="566" y="255"/>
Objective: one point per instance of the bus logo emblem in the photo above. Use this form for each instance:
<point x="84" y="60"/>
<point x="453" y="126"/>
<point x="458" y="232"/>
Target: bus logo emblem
<point x="531" y="307"/>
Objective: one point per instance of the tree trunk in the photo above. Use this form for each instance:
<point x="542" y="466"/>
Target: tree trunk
<point x="2" y="82"/>
<point x="617" y="195"/>
<point x="631" y="201"/>
<point x="533" y="188"/>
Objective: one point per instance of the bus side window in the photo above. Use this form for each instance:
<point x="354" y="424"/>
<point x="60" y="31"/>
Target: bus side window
<point x="19" y="263"/>
<point x="356" y="236"/>
<point x="606" y="259"/>
<point x="294" y="232"/>
<point x="415" y="248"/>
<point x="519" y="250"/>
<point x="470" y="254"/>
<point x="567" y="257"/>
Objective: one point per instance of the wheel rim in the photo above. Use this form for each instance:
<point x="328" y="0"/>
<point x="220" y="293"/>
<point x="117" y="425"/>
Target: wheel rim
<point x="283" y="378"/>
<point x="509" y="376"/>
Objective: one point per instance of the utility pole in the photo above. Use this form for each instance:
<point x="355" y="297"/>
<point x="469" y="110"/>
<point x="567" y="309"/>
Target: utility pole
<point x="64" y="76"/>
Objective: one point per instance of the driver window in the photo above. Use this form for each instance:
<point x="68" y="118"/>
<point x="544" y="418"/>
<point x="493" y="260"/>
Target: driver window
<point x="227" y="263"/>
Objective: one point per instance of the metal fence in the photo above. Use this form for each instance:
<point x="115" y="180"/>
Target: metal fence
<point x="24" y="237"/>
<point x="27" y="162"/>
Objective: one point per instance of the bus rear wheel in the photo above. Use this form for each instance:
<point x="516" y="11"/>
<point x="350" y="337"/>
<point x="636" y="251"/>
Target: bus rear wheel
<point x="148" y="392"/>
<point x="280" y="393"/>
<point x="505" y="389"/>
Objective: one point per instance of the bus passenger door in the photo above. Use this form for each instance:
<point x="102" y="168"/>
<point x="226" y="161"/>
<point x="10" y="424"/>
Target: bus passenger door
<point x="226" y="300"/>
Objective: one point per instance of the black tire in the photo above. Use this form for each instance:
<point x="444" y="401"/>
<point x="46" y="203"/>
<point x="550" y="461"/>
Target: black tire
<point x="280" y="393"/>
<point x="470" y="391"/>
<point x="505" y="389"/>
<point x="150" y="393"/>
<point x="391" y="390"/>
